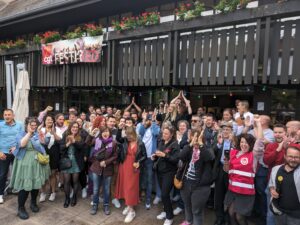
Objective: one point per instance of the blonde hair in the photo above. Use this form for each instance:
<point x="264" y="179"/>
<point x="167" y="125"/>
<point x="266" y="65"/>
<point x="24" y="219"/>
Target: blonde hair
<point x="171" y="116"/>
<point x="130" y="131"/>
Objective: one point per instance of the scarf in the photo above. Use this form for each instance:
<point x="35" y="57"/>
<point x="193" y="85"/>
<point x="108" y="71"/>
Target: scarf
<point x="20" y="152"/>
<point x="99" y="142"/>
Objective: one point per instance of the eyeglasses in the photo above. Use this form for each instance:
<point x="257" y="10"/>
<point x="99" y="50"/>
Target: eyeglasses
<point x="194" y="121"/>
<point x="293" y="157"/>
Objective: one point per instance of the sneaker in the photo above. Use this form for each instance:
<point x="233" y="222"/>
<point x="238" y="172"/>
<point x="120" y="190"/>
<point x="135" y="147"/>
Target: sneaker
<point x="168" y="222"/>
<point x="185" y="223"/>
<point x="84" y="193"/>
<point x="52" y="197"/>
<point x="94" y="209"/>
<point x="148" y="206"/>
<point x="1" y="199"/>
<point x="116" y="203"/>
<point x="130" y="216"/>
<point x="177" y="211"/>
<point x="106" y="210"/>
<point x="176" y="198"/>
<point x="43" y="197"/>
<point x="125" y="211"/>
<point x="71" y="193"/>
<point x="156" y="201"/>
<point x="161" y="216"/>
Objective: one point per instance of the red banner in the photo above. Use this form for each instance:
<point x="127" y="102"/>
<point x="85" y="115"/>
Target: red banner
<point x="85" y="49"/>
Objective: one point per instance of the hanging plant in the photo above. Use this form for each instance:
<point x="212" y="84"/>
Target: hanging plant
<point x="6" y="45"/>
<point x="93" y="30"/>
<point x="50" y="36"/>
<point x="20" y="43"/>
<point x="145" y="19"/>
<point x="226" y="6"/>
<point x="148" y="18"/>
<point x="37" y="39"/>
<point x="189" y="11"/>
<point x="76" y="33"/>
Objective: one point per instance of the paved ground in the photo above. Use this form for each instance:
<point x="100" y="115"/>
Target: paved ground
<point x="53" y="213"/>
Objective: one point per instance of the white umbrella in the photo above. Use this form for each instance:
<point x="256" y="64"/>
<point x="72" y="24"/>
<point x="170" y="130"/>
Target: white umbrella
<point x="21" y="104"/>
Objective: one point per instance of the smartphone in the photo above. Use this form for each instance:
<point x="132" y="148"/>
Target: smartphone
<point x="226" y="154"/>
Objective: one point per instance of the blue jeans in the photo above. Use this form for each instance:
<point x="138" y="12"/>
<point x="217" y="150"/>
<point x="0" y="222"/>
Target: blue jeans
<point x="97" y="181"/>
<point x="270" y="215"/>
<point x="157" y="187"/>
<point x="148" y="172"/>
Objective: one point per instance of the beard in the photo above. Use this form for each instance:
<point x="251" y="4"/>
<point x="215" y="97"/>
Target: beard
<point x="279" y="140"/>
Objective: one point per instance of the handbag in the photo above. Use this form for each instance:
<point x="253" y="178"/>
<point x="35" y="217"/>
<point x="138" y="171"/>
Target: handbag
<point x="43" y="158"/>
<point x="65" y="163"/>
<point x="101" y="154"/>
<point x="178" y="183"/>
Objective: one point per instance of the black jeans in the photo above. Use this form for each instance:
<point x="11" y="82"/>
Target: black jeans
<point x="194" y="198"/>
<point x="221" y="187"/>
<point x="166" y="184"/>
<point x="4" y="167"/>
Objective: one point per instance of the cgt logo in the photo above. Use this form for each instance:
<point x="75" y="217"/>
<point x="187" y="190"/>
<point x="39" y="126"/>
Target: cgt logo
<point x="47" y="60"/>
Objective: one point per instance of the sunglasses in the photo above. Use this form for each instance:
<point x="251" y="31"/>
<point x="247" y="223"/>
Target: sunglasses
<point x="195" y="121"/>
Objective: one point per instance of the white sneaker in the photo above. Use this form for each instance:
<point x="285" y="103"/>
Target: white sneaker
<point x="116" y="203"/>
<point x="1" y="199"/>
<point x="177" y="211"/>
<point x="52" y="197"/>
<point x="43" y="197"/>
<point x="125" y="211"/>
<point x="71" y="193"/>
<point x="130" y="216"/>
<point x="161" y="216"/>
<point x="156" y="201"/>
<point x="168" y="222"/>
<point x="84" y="193"/>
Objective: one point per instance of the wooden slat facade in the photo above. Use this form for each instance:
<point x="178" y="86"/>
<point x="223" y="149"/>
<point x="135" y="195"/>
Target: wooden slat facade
<point x="265" y="51"/>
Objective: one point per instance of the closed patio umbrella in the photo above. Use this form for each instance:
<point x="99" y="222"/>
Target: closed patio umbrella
<point x="21" y="104"/>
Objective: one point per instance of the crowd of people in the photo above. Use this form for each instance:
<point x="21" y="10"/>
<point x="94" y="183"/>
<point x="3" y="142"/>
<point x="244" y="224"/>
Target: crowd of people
<point x="240" y="164"/>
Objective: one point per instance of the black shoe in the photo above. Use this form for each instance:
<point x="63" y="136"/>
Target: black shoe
<point x="94" y="209"/>
<point x="74" y="200"/>
<point x="34" y="208"/>
<point x="218" y="222"/>
<point x="67" y="202"/>
<point x="23" y="215"/>
<point x="106" y="210"/>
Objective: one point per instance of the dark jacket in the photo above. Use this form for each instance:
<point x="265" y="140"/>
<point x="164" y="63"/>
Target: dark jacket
<point x="217" y="164"/>
<point x="203" y="167"/>
<point x="109" y="158"/>
<point x="169" y="162"/>
<point x="79" y="150"/>
<point x="141" y="154"/>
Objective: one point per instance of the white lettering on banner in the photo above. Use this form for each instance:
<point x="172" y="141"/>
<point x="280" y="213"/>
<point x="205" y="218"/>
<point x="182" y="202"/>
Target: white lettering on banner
<point x="239" y="184"/>
<point x="242" y="173"/>
<point x="67" y="56"/>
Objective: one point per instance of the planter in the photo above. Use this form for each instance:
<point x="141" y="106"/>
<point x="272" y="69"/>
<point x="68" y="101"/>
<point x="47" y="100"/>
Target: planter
<point x="14" y="51"/>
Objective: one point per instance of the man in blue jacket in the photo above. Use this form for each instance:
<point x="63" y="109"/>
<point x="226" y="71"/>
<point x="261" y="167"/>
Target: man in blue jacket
<point x="9" y="129"/>
<point x="148" y="131"/>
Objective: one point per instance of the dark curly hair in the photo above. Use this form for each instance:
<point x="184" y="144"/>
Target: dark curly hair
<point x="249" y="139"/>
